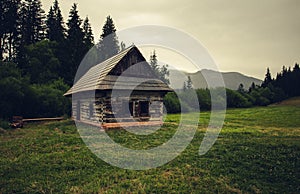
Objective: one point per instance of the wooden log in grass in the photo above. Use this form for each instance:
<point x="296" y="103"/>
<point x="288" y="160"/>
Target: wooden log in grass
<point x="43" y="119"/>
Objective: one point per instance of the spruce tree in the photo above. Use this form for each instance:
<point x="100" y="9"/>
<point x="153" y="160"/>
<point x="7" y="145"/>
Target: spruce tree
<point x="2" y="28"/>
<point x="268" y="79"/>
<point x="31" y="28"/>
<point x="55" y="24"/>
<point x="241" y="88"/>
<point x="296" y="81"/>
<point x="88" y="34"/>
<point x="75" y="45"/>
<point x="50" y="23"/>
<point x="75" y="33"/>
<point x="161" y="72"/>
<point x="153" y="63"/>
<point x="90" y="59"/>
<point x="184" y="86"/>
<point x="9" y="28"/>
<point x="252" y="87"/>
<point x="189" y="83"/>
<point x="33" y="22"/>
<point x="108" y="45"/>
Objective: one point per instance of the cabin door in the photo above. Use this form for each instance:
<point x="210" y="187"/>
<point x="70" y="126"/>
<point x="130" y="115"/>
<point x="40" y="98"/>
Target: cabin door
<point x="143" y="109"/>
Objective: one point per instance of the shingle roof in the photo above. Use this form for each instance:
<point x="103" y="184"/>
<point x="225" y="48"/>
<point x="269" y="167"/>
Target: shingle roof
<point x="98" y="78"/>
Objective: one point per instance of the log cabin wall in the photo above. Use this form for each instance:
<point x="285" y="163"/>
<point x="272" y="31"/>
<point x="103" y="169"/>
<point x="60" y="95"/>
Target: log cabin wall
<point x="99" y="109"/>
<point x="91" y="107"/>
<point x="122" y="105"/>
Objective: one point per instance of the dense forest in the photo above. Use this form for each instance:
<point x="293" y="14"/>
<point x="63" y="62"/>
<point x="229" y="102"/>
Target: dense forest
<point x="40" y="54"/>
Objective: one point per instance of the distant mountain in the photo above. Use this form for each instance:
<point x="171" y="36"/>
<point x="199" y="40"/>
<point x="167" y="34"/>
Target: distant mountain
<point x="232" y="80"/>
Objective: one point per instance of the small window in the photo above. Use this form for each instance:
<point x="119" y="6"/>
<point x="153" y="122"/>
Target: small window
<point x="144" y="108"/>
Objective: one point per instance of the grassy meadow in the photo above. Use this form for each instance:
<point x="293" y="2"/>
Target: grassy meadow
<point x="257" y="151"/>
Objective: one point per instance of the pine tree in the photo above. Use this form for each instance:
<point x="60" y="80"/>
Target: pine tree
<point x="252" y="87"/>
<point x="9" y="28"/>
<point x="75" y="45"/>
<point x="296" y="81"/>
<point x="31" y="28"/>
<point x="75" y="32"/>
<point x="88" y="34"/>
<point x="50" y="23"/>
<point x="161" y="72"/>
<point x="268" y="78"/>
<point x="164" y="74"/>
<point x="32" y="21"/>
<point x="284" y="71"/>
<point x="108" y="45"/>
<point x="296" y="67"/>
<point x="189" y="83"/>
<point x="2" y="28"/>
<point x="184" y="86"/>
<point x="55" y="24"/>
<point x="153" y="63"/>
<point x="241" y="88"/>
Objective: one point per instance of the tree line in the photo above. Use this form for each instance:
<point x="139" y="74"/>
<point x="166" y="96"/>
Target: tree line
<point x="285" y="85"/>
<point x="40" y="54"/>
<point x="43" y="46"/>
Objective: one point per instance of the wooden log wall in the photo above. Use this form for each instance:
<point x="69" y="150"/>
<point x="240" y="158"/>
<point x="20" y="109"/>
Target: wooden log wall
<point x="100" y="109"/>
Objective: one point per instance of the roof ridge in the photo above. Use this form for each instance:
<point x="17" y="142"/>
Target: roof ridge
<point x="127" y="49"/>
<point x="109" y="67"/>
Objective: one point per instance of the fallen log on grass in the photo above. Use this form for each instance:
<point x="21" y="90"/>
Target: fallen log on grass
<point x="43" y="119"/>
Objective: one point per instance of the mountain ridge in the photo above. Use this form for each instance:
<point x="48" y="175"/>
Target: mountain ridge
<point x="232" y="80"/>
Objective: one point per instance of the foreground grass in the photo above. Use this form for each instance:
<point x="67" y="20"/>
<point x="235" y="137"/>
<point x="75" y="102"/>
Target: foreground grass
<point x="258" y="151"/>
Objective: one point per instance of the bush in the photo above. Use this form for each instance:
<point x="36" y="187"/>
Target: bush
<point x="18" y="97"/>
<point x="12" y="87"/>
<point x="204" y="99"/>
<point x="236" y="100"/>
<point x="172" y="103"/>
<point x="4" y="124"/>
<point x="50" y="100"/>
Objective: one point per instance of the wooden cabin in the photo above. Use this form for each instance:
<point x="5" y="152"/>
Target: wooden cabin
<point x="121" y="91"/>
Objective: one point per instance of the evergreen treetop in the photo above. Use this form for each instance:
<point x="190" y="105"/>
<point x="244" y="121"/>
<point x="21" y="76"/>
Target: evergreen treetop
<point x="88" y="33"/>
<point x="108" y="45"/>
<point x="33" y="22"/>
<point x="55" y="24"/>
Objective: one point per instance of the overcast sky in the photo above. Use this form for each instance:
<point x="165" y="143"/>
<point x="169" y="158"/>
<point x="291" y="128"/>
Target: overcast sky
<point x="241" y="35"/>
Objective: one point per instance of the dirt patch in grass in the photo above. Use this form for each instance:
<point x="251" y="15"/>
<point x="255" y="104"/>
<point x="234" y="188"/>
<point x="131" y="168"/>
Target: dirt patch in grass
<point x="295" y="101"/>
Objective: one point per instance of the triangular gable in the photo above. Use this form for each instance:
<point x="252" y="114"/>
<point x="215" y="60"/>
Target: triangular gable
<point x="133" y="58"/>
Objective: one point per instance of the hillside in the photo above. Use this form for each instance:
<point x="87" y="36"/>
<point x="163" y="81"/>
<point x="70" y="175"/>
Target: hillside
<point x="231" y="79"/>
<point x="295" y="101"/>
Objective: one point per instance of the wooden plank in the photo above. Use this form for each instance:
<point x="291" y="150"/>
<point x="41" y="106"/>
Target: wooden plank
<point x="43" y="119"/>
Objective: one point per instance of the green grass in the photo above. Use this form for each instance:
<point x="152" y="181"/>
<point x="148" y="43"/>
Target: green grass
<point x="258" y="151"/>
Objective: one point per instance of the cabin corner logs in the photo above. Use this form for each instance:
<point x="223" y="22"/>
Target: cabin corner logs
<point x="93" y="102"/>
